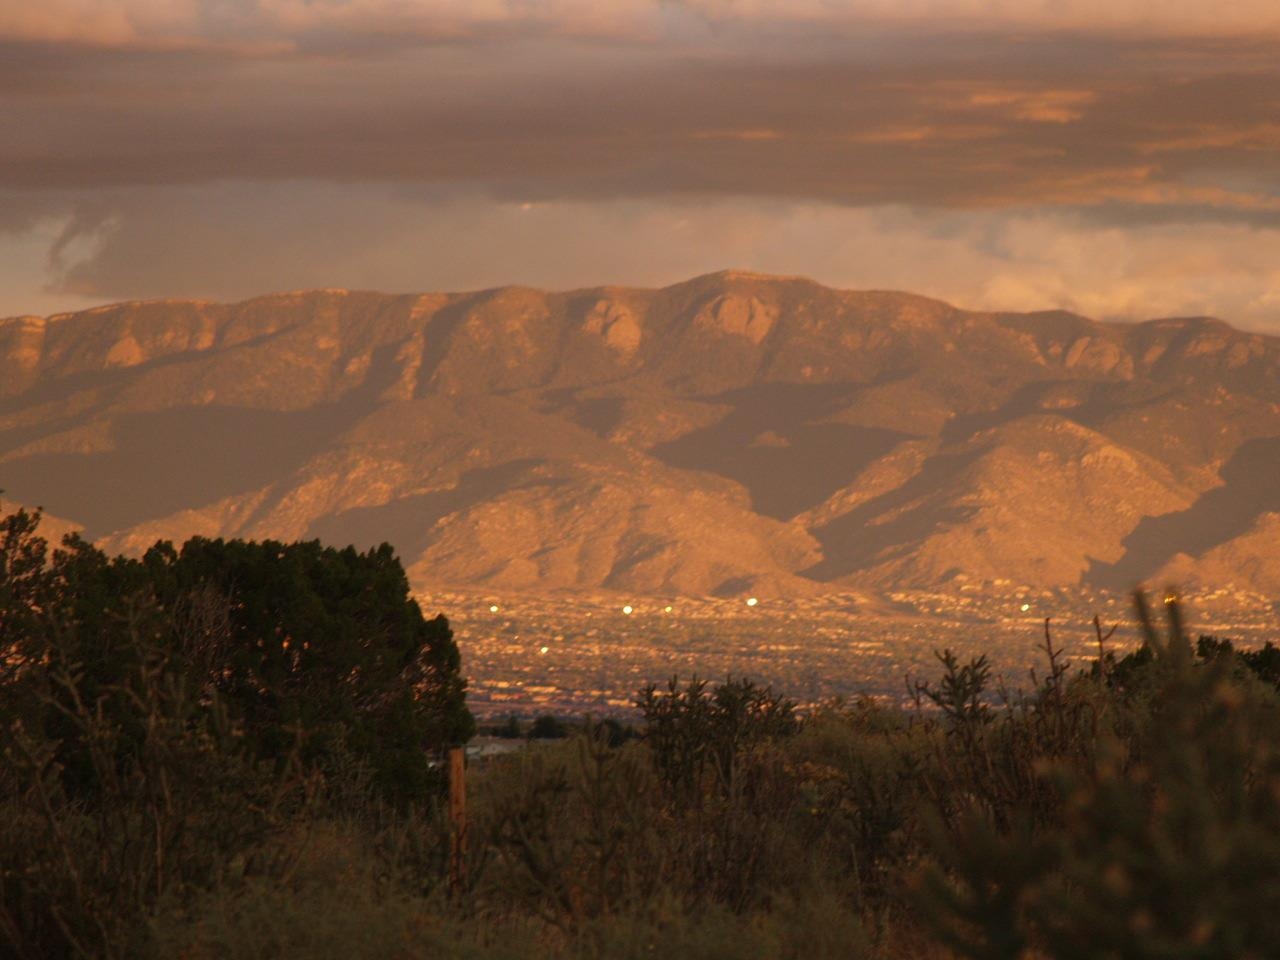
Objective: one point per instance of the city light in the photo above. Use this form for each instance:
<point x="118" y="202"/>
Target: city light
<point x="1026" y="607"/>
<point x="752" y="601"/>
<point x="666" y="609"/>
<point x="543" y="649"/>
<point x="591" y="661"/>
<point x="493" y="608"/>
<point x="627" y="609"/>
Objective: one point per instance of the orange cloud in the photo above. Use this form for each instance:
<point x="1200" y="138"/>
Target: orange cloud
<point x="924" y="133"/>
<point x="1036" y="105"/>
<point x="746" y="136"/>
<point x="1250" y="136"/>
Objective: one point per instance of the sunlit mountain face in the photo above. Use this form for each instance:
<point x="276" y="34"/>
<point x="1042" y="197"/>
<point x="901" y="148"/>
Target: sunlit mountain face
<point x="734" y="434"/>
<point x="1022" y="167"/>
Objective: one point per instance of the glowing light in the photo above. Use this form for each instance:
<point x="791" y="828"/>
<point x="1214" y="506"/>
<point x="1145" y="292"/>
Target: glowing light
<point x="1025" y="607"/>
<point x="627" y="609"/>
<point x="666" y="609"/>
<point x="543" y="649"/>
<point x="752" y="601"/>
<point x="1170" y="599"/>
<point x="493" y="608"/>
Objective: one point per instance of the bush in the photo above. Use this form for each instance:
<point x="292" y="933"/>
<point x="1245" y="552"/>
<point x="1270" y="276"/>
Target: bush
<point x="1156" y="842"/>
<point x="695" y="731"/>
<point x="163" y="717"/>
<point x="548" y="728"/>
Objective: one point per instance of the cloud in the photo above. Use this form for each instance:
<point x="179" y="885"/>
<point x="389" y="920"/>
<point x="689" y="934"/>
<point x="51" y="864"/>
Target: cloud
<point x="233" y="241"/>
<point x="184" y="147"/>
<point x="1040" y="106"/>
<point x="1169" y="16"/>
<point x="272" y="27"/>
<point x="1059" y="121"/>
<point x="1262" y="135"/>
<point x="263" y="26"/>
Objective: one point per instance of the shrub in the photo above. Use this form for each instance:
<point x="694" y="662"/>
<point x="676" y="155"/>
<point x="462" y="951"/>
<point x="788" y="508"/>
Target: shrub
<point x="163" y="717"/>
<point x="548" y="728"/>
<point x="1161" y="840"/>
<point x="693" y="731"/>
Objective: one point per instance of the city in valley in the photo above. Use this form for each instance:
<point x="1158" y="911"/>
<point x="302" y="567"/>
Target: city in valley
<point x="527" y="655"/>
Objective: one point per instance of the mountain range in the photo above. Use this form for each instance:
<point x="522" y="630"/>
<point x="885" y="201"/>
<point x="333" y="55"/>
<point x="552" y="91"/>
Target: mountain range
<point x="735" y="433"/>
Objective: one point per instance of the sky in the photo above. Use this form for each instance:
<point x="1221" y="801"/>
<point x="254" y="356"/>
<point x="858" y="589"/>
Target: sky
<point x="1113" y="157"/>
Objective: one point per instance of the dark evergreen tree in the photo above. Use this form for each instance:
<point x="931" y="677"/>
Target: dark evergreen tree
<point x="307" y="647"/>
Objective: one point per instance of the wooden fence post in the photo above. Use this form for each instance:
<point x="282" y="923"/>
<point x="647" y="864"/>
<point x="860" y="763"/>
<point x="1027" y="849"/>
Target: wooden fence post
<point x="457" y="818"/>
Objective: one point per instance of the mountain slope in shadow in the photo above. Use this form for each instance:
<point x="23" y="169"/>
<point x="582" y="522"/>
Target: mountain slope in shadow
<point x="1250" y="487"/>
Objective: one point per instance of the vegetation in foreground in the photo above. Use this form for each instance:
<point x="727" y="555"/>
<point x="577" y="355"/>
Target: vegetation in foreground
<point x="180" y="782"/>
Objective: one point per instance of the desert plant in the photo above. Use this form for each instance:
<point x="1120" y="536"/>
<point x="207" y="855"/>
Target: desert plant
<point x="699" y="729"/>
<point x="576" y="832"/>
<point x="1163" y="837"/>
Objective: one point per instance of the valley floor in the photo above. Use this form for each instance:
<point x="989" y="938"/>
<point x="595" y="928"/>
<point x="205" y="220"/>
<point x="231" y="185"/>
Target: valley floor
<point x="577" y="654"/>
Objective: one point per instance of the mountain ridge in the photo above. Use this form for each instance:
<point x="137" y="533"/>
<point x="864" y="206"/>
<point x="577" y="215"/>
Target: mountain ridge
<point x="731" y="432"/>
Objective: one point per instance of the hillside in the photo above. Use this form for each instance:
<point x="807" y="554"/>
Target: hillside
<point x="735" y="432"/>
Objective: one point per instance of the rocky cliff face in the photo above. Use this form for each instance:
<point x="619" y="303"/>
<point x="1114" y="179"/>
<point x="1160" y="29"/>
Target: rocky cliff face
<point x="735" y="432"/>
